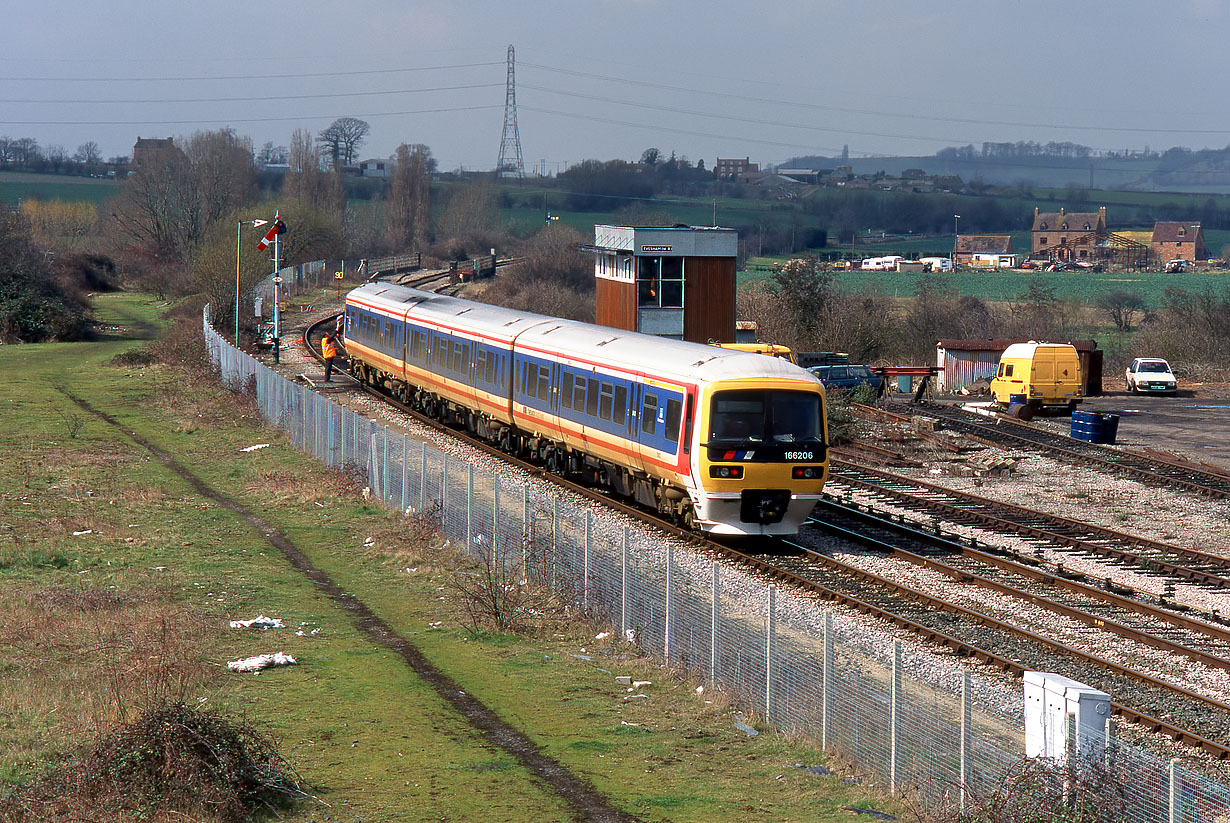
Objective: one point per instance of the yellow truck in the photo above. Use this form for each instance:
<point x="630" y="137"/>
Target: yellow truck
<point x="1038" y="375"/>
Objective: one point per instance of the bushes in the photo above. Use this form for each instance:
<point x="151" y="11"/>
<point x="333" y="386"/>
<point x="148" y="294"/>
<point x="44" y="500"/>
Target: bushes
<point x="171" y="761"/>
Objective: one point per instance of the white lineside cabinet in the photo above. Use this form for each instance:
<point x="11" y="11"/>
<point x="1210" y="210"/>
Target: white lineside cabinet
<point x="1062" y="715"/>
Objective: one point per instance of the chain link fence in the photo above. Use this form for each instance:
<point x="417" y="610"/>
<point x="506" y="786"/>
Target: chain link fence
<point x="943" y="740"/>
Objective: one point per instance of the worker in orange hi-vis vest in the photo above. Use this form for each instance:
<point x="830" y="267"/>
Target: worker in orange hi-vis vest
<point x="328" y="350"/>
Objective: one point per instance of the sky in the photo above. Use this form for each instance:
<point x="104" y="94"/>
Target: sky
<point x="607" y="79"/>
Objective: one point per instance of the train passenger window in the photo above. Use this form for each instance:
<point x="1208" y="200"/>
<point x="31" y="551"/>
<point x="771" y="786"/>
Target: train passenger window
<point x="674" y="410"/>
<point x="578" y="395"/>
<point x="606" y="399"/>
<point x="463" y="365"/>
<point x="591" y="397"/>
<point x="525" y="368"/>
<point x="566" y="391"/>
<point x="649" y="414"/>
<point x="489" y="368"/>
<point x="621" y="405"/>
<point x="544" y="382"/>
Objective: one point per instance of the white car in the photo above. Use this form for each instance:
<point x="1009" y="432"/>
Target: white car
<point x="1150" y="374"/>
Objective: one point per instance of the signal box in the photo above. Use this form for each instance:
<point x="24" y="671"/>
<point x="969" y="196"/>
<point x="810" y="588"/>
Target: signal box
<point x="676" y="282"/>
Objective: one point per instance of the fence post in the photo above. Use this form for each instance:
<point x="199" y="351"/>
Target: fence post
<point x="1173" y="804"/>
<point x="715" y="615"/>
<point x="894" y="719"/>
<point x="967" y="717"/>
<point x="469" y="507"/>
<point x="405" y="472"/>
<point x="384" y="485"/>
<point x="670" y="601"/>
<point x="589" y="531"/>
<point x="623" y="586"/>
<point x="826" y="674"/>
<point x="554" y="539"/>
<point x="373" y="464"/>
<point x="495" y="514"/>
<point x="423" y="479"/>
<point x="444" y="494"/>
<point x="770" y="637"/>
<point x="527" y="532"/>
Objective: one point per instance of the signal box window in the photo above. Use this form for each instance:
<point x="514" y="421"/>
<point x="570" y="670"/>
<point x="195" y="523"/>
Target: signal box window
<point x="659" y="282"/>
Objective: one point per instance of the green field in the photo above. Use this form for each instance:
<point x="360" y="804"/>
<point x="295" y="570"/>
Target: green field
<point x="1084" y="287"/>
<point x="18" y="186"/>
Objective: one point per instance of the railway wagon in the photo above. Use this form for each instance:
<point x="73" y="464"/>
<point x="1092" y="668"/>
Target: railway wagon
<point x="722" y="441"/>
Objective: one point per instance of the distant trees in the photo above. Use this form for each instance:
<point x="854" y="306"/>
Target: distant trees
<point x="306" y="180"/>
<point x="1121" y="307"/>
<point x="341" y="140"/>
<point x="168" y="203"/>
<point x="595" y="185"/>
<point x="553" y="276"/>
<point x="471" y="217"/>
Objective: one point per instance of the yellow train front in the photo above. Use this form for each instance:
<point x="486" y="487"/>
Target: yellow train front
<point x="726" y="442"/>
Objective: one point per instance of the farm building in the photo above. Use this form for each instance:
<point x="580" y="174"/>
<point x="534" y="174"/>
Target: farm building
<point x="962" y="363"/>
<point x="1177" y="241"/>
<point x="970" y="246"/>
<point x="1082" y="237"/>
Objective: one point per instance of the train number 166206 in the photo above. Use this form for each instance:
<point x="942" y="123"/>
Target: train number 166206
<point x="799" y="456"/>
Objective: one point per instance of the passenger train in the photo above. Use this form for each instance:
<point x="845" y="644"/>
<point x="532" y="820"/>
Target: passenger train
<point x="726" y="442"/>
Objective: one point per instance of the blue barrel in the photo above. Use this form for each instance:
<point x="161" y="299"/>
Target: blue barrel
<point x="1110" y="428"/>
<point x="1087" y="426"/>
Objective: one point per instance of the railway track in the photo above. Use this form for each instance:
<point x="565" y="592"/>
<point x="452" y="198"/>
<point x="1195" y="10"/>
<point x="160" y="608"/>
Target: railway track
<point x="1149" y="702"/>
<point x="1005" y="433"/>
<point x="1148" y="556"/>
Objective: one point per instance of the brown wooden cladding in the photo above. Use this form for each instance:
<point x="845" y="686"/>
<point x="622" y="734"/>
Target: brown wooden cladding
<point x="615" y="304"/>
<point x="709" y="299"/>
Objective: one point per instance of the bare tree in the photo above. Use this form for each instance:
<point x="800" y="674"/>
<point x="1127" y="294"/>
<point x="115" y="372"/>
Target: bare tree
<point x="170" y="201"/>
<point x="306" y="180"/>
<point x="1121" y="306"/>
<point x="410" y="197"/>
<point x="272" y="155"/>
<point x="88" y="153"/>
<point x="343" y="138"/>
<point x="471" y="217"/>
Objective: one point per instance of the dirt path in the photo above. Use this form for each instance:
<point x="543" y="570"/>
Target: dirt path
<point x="585" y="801"/>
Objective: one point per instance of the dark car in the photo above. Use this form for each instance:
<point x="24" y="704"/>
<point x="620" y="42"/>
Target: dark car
<point x="847" y="377"/>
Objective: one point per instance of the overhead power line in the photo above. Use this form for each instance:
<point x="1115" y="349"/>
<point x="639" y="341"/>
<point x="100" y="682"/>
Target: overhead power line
<point x="261" y="98"/>
<point x="294" y="75"/>
<point x="235" y="119"/>
<point x="871" y="112"/>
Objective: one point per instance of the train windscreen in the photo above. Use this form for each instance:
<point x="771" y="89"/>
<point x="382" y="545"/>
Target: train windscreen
<point x="765" y="417"/>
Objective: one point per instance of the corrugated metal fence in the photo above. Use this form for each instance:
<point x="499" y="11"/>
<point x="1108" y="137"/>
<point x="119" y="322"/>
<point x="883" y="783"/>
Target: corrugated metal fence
<point x="943" y="739"/>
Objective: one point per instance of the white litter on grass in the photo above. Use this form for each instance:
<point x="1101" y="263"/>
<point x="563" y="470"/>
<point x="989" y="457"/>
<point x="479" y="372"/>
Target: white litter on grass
<point x="302" y="633"/>
<point x="87" y="531"/>
<point x="369" y="543"/>
<point x="436" y="625"/>
<point x="630" y="635"/>
<point x="261" y="661"/>
<point x="602" y="635"/>
<point x="260" y="622"/>
<point x="254" y="448"/>
<point x="640" y="684"/>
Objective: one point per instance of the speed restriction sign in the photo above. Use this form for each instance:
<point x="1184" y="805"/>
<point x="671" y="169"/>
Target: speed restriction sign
<point x="337" y="275"/>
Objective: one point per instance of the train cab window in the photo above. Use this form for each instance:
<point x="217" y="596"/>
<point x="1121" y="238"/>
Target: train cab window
<point x="1008" y="369"/>
<point x="649" y="414"/>
<point x="606" y="400"/>
<point x="794" y="417"/>
<point x="737" y="416"/>
<point x="674" y="411"/>
<point x="621" y="405"/>
<point x="591" y="398"/>
<point x="566" y="391"/>
<point x="544" y="382"/>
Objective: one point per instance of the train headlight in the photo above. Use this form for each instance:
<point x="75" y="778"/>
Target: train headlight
<point x="806" y="472"/>
<point x="726" y="472"/>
